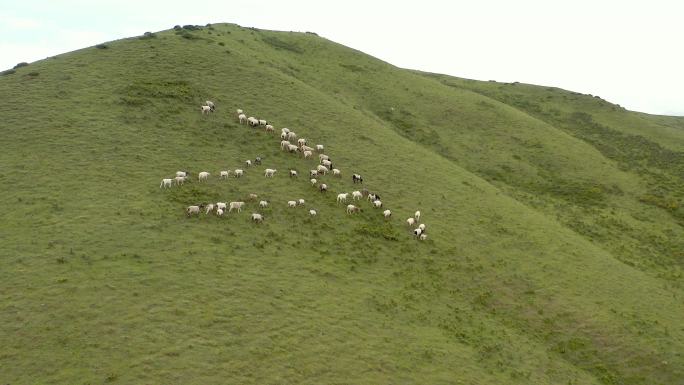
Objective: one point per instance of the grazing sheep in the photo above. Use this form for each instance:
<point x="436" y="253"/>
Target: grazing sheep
<point x="342" y="197"/>
<point x="313" y="181"/>
<point x="353" y="209"/>
<point x="269" y="172"/>
<point x="219" y="212"/>
<point x="257" y="160"/>
<point x="269" y="128"/>
<point x="205" y="109"/>
<point x="252" y="121"/>
<point x="252" y="197"/>
<point x="238" y="172"/>
<point x="210" y="104"/>
<point x="301" y="142"/>
<point x="221" y="205"/>
<point x="210" y="208"/>
<point x="248" y="163"/>
<point x="291" y="135"/>
<point x="422" y="227"/>
<point x="224" y="174"/>
<point x="327" y="163"/>
<point x="235" y="205"/>
<point x="307" y="154"/>
<point x="166" y="183"/>
<point x="417" y="232"/>
<point x="292" y="148"/>
<point x="291" y="203"/>
<point x="284" y="144"/>
<point x="300" y="202"/>
<point x="283" y="135"/>
<point x="263" y="204"/>
<point x="417" y="216"/>
<point x="422" y="237"/>
<point x="323" y="187"/>
<point x="179" y="180"/>
<point x="263" y="122"/>
<point x="410" y="222"/>
<point x="257" y="218"/>
<point x="242" y="118"/>
<point x="357" y="178"/>
<point x="306" y="148"/>
<point x="319" y="147"/>
<point x="322" y="169"/>
<point x="323" y="156"/>
<point x="373" y="197"/>
<point x="356" y="195"/>
<point x="312" y="212"/>
<point x="336" y="172"/>
<point x="182" y="173"/>
<point x="285" y="130"/>
<point x="293" y="173"/>
<point x="387" y="214"/>
<point x="203" y="176"/>
<point x="239" y="111"/>
<point x="377" y="204"/>
<point x="192" y="210"/>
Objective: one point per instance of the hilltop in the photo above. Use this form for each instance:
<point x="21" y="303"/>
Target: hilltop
<point x="556" y="239"/>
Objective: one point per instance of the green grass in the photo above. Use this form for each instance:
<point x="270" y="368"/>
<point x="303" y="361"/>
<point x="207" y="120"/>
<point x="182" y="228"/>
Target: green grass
<point x="555" y="252"/>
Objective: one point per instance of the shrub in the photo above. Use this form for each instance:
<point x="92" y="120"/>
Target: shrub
<point x="7" y="72"/>
<point x="177" y="27"/>
<point x="191" y="27"/>
<point x="102" y="46"/>
<point x="221" y="43"/>
<point x="312" y="33"/>
<point x="148" y="35"/>
<point x="22" y="64"/>
<point x="34" y="73"/>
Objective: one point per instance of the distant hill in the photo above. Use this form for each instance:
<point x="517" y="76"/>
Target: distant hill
<point x="555" y="248"/>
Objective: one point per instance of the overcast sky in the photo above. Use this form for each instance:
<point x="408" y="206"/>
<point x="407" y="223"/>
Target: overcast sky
<point x="628" y="52"/>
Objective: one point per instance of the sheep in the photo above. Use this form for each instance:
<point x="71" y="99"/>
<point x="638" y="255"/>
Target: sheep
<point x="269" y="172"/>
<point x="235" y="205"/>
<point x="221" y="205"/>
<point x="356" y="195"/>
<point x="252" y="197"/>
<point x="342" y="197"/>
<point x="312" y="212"/>
<point x="377" y="204"/>
<point x="422" y="237"/>
<point x="238" y="172"/>
<point x="263" y="122"/>
<point x="323" y="187"/>
<point x="210" y="208"/>
<point x="263" y="204"/>
<point x="319" y="147"/>
<point x="323" y="156"/>
<point x="252" y="121"/>
<point x="357" y="178"/>
<point x="283" y="135"/>
<point x="182" y="173"/>
<point x="387" y="214"/>
<point x="422" y="227"/>
<point x="248" y="162"/>
<point x="291" y="203"/>
<point x="301" y="142"/>
<point x="292" y="148"/>
<point x="192" y="210"/>
<point x="257" y="160"/>
<point x="203" y="176"/>
<point x="353" y="209"/>
<point x="242" y="118"/>
<point x="336" y="172"/>
<point x="306" y="148"/>
<point x="373" y="197"/>
<point x="166" y="183"/>
<point x="417" y="232"/>
<point x="322" y="169"/>
<point x="300" y="202"/>
<point x="326" y="163"/>
<point x="257" y="218"/>
<point x="269" y="128"/>
<point x="210" y="104"/>
<point x="417" y="216"/>
<point x="219" y="212"/>
<point x="239" y="111"/>
<point x="285" y="130"/>
<point x="224" y="174"/>
<point x="291" y="135"/>
<point x="307" y="154"/>
<point x="179" y="180"/>
<point x="293" y="173"/>
<point x="410" y="222"/>
<point x="313" y="180"/>
<point x="284" y="144"/>
<point x="205" y="109"/>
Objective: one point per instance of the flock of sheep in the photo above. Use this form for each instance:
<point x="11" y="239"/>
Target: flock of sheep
<point x="287" y="137"/>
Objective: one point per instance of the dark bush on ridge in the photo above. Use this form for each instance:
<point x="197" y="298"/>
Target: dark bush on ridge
<point x="102" y="46"/>
<point x="22" y="64"/>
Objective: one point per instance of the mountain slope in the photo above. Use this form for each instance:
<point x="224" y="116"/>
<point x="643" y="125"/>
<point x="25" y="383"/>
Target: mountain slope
<point x="106" y="280"/>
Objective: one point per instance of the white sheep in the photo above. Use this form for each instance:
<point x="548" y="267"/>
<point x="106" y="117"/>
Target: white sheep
<point x="312" y="212"/>
<point x="285" y="130"/>
<point x="181" y="173"/>
<point x="252" y="197"/>
<point x="262" y="122"/>
<point x="307" y="154"/>
<point x="342" y="197"/>
<point x="377" y="203"/>
<point x="235" y="205"/>
<point x="257" y="218"/>
<point x="313" y="181"/>
<point x="269" y="128"/>
<point x="313" y="173"/>
<point x="166" y="183"/>
<point x="291" y="203"/>
<point x="326" y="163"/>
<point x="239" y="111"/>
<point x="410" y="222"/>
<point x="387" y="214"/>
<point x="417" y="216"/>
<point x="336" y="172"/>
<point x="252" y="121"/>
<point x="179" y="180"/>
<point x="219" y="212"/>
<point x="284" y="144"/>
<point x="221" y="205"/>
<point x="422" y="237"/>
<point x="323" y="156"/>
<point x="293" y="173"/>
<point x="210" y="104"/>
<point x="422" y="227"/>
<point x="306" y="148"/>
<point x="192" y="210"/>
<point x="269" y="172"/>
<point x="203" y="176"/>
<point x="242" y="118"/>
<point x="205" y="109"/>
<point x="263" y="204"/>
<point x="292" y="148"/>
<point x="300" y="202"/>
<point x="322" y="169"/>
<point x="417" y="232"/>
<point x="283" y="135"/>
<point x="352" y="209"/>
<point x="356" y="195"/>
<point x="291" y="135"/>
<point x="301" y="142"/>
<point x="248" y="163"/>
<point x="210" y="208"/>
<point x="224" y="174"/>
<point x="238" y="172"/>
<point x="319" y="147"/>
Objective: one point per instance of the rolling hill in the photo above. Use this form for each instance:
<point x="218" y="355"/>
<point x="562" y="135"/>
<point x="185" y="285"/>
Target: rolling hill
<point x="555" y="221"/>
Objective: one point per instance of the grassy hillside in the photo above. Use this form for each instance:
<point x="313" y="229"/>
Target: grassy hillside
<point x="555" y="245"/>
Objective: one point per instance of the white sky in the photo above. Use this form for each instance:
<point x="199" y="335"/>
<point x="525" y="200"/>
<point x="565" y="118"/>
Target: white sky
<point x="628" y="52"/>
